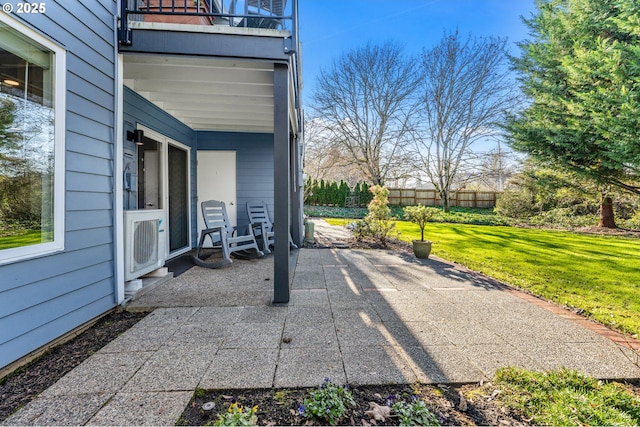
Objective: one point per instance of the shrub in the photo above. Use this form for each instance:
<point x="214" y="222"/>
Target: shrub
<point x="377" y="224"/>
<point x="564" y="218"/>
<point x="633" y="222"/>
<point x="516" y="204"/>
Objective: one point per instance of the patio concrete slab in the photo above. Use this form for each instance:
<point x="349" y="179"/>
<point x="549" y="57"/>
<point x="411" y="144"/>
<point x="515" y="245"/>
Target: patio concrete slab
<point x="309" y="298"/>
<point x="59" y="411"/>
<point x="362" y="316"/>
<point x="377" y="364"/>
<point x="302" y="315"/>
<point x="310" y="336"/>
<point x="253" y="336"/>
<point x="143" y="409"/>
<point x="490" y="357"/>
<point x="416" y="333"/>
<point x="443" y="364"/>
<point x="308" y="366"/>
<point x="241" y="368"/>
<point x="364" y="334"/>
<point x="179" y="368"/>
<point x="99" y="374"/>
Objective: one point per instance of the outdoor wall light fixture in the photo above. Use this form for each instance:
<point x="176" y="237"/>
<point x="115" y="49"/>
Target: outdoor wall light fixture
<point x="137" y="136"/>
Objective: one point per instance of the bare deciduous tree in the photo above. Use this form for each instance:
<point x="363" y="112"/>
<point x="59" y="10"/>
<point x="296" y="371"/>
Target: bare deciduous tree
<point x="325" y="160"/>
<point x="464" y="90"/>
<point x="363" y="100"/>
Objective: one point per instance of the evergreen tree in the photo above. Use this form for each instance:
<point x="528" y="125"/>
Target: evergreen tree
<point x="333" y="194"/>
<point x="343" y="193"/>
<point x="322" y="193"/>
<point x="581" y="72"/>
<point x="365" y="195"/>
<point x="356" y="193"/>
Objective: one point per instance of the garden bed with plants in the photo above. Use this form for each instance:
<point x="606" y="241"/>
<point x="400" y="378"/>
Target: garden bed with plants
<point x="518" y="397"/>
<point x="367" y="405"/>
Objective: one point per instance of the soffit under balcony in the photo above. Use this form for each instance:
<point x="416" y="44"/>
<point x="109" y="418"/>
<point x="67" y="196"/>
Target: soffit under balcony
<point x="206" y="93"/>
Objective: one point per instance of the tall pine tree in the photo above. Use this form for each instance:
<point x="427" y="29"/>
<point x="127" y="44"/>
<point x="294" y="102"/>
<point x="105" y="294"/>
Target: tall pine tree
<point x="581" y="72"/>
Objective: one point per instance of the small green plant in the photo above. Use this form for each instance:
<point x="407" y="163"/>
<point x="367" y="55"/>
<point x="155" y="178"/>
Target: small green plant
<point x="237" y="416"/>
<point x="281" y="397"/>
<point x="415" y="413"/>
<point x="329" y="402"/>
<point x="420" y="215"/>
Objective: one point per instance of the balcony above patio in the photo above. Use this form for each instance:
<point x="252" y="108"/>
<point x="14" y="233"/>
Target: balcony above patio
<point x="250" y="17"/>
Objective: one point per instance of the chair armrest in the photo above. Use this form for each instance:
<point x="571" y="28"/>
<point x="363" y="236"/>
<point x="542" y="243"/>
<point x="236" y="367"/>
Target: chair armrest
<point x="246" y="229"/>
<point x="212" y="230"/>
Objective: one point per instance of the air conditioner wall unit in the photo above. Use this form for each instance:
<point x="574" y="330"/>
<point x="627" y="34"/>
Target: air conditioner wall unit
<point x="144" y="240"/>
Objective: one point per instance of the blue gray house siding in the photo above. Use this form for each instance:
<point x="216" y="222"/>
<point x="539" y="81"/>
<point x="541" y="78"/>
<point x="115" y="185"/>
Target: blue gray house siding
<point x="254" y="165"/>
<point x="44" y="298"/>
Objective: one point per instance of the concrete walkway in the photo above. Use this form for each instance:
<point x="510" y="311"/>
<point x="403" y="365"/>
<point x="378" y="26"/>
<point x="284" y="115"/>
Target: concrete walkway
<point x="357" y="316"/>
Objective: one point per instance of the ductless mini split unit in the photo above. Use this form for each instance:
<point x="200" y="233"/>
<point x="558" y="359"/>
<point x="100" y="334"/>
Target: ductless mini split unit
<point x="144" y="242"/>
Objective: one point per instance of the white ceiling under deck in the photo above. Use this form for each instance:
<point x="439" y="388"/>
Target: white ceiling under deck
<point x="206" y="93"/>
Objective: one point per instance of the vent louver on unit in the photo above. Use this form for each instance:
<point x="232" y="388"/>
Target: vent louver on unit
<point x="143" y="248"/>
<point x="145" y="243"/>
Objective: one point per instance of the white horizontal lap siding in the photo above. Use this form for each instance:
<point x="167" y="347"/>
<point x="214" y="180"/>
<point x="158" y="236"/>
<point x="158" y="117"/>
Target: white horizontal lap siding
<point x="44" y="298"/>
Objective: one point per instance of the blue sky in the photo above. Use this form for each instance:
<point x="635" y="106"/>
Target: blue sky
<point x="330" y="27"/>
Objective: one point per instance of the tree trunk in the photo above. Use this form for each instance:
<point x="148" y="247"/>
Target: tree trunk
<point x="607" y="218"/>
<point x="444" y="195"/>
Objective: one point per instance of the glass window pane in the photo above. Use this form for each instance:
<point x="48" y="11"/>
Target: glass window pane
<point x="27" y="141"/>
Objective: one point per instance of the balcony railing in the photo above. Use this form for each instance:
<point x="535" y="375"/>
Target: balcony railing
<point x="268" y="14"/>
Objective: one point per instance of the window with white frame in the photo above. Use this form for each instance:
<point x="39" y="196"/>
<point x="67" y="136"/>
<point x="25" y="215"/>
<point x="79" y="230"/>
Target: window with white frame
<point x="32" y="85"/>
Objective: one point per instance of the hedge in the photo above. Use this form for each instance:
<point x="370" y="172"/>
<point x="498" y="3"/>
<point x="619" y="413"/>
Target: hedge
<point x="334" y="193"/>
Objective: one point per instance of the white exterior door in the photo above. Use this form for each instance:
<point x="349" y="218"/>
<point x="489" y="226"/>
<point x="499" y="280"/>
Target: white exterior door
<point x="217" y="181"/>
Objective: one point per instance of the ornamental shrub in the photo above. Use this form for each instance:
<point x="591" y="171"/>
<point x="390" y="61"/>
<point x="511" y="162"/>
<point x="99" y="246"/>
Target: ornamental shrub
<point x="377" y="224"/>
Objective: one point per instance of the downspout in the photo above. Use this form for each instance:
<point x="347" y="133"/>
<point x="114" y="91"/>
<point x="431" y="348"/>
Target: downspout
<point x="118" y="227"/>
<point x="294" y="26"/>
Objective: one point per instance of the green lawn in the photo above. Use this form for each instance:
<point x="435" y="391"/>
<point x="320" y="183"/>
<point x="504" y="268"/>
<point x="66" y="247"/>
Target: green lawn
<point x="566" y="398"/>
<point x="598" y="274"/>
<point x="23" y="238"/>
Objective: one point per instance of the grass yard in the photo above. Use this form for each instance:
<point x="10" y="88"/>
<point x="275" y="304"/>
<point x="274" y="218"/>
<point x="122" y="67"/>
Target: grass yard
<point x="597" y="274"/>
<point x="566" y="398"/>
<point x="23" y="238"/>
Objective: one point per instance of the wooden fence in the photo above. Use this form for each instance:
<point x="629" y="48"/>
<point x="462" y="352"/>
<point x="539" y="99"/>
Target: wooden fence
<point x="461" y="198"/>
